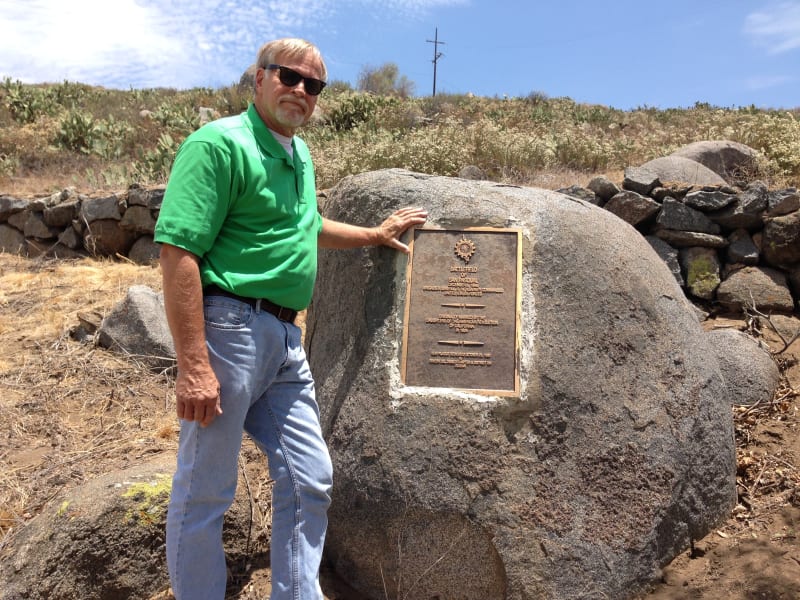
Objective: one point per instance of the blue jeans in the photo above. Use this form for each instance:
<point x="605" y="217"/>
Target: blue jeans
<point x="266" y="390"/>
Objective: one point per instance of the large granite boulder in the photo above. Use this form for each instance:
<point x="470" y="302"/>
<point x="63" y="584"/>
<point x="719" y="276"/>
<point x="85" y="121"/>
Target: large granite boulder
<point x="731" y="160"/>
<point x="104" y="539"/>
<point x="679" y="169"/>
<point x="617" y="451"/>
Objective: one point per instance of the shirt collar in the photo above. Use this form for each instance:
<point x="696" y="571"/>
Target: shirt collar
<point x="264" y="137"/>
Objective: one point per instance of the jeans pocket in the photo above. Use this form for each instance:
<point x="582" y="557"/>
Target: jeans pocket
<point x="226" y="313"/>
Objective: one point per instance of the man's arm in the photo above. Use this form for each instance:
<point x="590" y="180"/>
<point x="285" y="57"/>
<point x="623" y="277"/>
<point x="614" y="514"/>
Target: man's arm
<point x="335" y="234"/>
<point x="196" y="387"/>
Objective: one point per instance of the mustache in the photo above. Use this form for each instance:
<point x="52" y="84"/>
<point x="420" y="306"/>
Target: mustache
<point x="295" y="100"/>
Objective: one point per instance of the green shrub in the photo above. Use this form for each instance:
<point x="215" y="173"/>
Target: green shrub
<point x="385" y="80"/>
<point x="348" y="110"/>
<point x="232" y="100"/>
<point x="25" y="103"/>
<point x="8" y="165"/>
<point x="154" y="166"/>
<point x="177" y="118"/>
<point x="77" y="132"/>
<point x="112" y="138"/>
<point x="536" y="97"/>
<point x="69" y="94"/>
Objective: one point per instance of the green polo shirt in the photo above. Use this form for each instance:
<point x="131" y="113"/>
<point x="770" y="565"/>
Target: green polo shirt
<point x="239" y="202"/>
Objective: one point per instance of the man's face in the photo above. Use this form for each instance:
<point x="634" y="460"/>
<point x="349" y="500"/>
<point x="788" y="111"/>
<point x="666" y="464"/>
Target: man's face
<point x="281" y="107"/>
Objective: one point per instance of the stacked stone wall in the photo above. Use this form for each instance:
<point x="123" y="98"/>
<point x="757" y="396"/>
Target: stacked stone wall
<point x="68" y="225"/>
<point x="738" y="248"/>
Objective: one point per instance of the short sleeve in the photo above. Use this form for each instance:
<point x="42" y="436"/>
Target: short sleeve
<point x="197" y="198"/>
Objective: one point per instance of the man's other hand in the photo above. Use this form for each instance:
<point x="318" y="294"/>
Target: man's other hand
<point x="197" y="396"/>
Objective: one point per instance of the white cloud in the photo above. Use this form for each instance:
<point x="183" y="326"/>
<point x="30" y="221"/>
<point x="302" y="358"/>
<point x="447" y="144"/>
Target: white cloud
<point x="145" y="43"/>
<point x="49" y="40"/>
<point x="777" y="27"/>
<point x="413" y="5"/>
<point x="763" y="82"/>
<point x="407" y="8"/>
<point x="161" y="43"/>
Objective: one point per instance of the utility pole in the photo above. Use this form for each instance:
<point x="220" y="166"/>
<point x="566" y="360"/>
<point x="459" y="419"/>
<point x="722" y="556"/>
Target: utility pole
<point x="436" y="56"/>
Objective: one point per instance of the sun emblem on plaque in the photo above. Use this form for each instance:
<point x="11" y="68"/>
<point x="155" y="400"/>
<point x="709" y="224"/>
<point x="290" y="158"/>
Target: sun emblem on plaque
<point x="465" y="249"/>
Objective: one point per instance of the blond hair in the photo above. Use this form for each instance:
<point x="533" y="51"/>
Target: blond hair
<point x="269" y="53"/>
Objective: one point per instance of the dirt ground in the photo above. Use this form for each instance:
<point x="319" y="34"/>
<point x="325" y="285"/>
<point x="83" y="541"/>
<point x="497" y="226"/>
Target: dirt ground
<point x="70" y="411"/>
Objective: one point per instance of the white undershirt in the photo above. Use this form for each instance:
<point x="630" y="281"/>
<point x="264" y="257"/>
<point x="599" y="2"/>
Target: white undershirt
<point x="284" y="141"/>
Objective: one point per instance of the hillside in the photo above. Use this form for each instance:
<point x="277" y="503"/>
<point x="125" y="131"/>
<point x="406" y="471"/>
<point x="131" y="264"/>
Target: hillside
<point x="70" y="134"/>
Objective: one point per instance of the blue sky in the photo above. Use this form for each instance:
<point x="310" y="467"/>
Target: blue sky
<point x="625" y="53"/>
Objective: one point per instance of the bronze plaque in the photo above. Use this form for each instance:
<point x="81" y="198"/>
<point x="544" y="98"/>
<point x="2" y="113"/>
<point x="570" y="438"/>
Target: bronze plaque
<point x="462" y="310"/>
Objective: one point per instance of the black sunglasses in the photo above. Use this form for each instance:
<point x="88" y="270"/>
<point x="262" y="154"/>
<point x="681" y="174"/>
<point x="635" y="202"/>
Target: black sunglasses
<point x="290" y="77"/>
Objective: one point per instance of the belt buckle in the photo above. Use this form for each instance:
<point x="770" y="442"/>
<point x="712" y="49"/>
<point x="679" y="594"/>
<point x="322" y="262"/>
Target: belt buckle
<point x="286" y="316"/>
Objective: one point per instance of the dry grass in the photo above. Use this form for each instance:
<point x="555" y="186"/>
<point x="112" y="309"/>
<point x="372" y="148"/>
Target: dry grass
<point x="42" y="298"/>
<point x="562" y="177"/>
<point x="69" y="410"/>
<point x="767" y="479"/>
<point x="79" y="172"/>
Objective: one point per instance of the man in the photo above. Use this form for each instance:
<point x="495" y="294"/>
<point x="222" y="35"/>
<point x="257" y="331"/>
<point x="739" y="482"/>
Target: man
<point x="239" y="230"/>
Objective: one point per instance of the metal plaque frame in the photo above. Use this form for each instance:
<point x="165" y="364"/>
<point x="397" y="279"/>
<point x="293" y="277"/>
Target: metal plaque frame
<point x="461" y="328"/>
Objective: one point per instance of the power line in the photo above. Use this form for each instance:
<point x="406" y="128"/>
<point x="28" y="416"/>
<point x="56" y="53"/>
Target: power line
<point x="436" y="56"/>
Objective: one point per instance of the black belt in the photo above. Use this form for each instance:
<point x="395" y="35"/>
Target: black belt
<point x="283" y="313"/>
